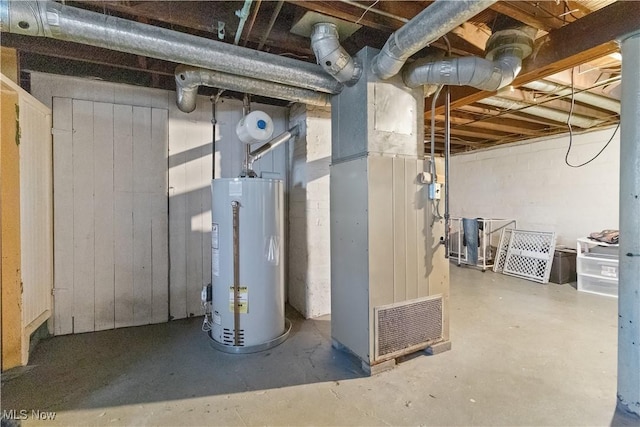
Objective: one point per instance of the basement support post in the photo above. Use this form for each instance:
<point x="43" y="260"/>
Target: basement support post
<point x="629" y="285"/>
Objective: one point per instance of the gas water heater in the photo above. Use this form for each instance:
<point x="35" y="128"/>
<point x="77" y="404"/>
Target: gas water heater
<point x="247" y="258"/>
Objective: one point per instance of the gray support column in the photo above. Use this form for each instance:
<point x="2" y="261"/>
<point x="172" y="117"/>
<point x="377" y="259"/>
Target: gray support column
<point x="629" y="278"/>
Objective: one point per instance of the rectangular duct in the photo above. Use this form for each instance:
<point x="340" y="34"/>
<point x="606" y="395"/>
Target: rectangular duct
<point x="405" y="327"/>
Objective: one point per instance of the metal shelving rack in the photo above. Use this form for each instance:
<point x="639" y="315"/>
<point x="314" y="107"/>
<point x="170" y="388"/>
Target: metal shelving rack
<point x="489" y="237"/>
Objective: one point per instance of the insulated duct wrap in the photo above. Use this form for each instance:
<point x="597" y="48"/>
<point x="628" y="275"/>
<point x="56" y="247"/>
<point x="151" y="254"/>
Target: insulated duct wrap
<point x="54" y="20"/>
<point x="466" y="71"/>
<point x="505" y="51"/>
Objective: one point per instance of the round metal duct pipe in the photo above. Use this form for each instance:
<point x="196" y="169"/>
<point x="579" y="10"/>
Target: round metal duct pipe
<point x="331" y="55"/>
<point x="54" y="20"/>
<point x="433" y="22"/>
<point x="505" y="51"/>
<point x="188" y="79"/>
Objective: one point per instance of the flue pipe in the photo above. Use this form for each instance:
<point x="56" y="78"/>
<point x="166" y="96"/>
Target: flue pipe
<point x="331" y="55"/>
<point x="593" y="99"/>
<point x="540" y="111"/>
<point x="266" y="147"/>
<point x="505" y="51"/>
<point x="188" y="79"/>
<point x="433" y="22"/>
<point x="54" y="20"/>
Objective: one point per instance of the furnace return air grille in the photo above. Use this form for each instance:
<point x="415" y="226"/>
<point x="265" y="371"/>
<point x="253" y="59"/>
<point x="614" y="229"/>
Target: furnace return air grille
<point x="530" y="255"/>
<point x="407" y="327"/>
<point x="501" y="256"/>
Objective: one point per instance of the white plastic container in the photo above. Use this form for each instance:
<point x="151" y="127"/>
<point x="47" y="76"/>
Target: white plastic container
<point x="256" y="126"/>
<point x="598" y="285"/>
<point x="261" y="256"/>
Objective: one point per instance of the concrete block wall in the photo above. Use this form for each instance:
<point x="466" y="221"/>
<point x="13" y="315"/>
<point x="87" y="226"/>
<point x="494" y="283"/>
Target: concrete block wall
<point x="531" y="183"/>
<point x="309" y="278"/>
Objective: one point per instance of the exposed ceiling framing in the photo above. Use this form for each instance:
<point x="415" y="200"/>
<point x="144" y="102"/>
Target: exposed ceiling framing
<point x="574" y="37"/>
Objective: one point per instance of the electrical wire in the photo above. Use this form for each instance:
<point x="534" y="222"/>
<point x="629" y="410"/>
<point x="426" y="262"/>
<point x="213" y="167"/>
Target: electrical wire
<point x="566" y="157"/>
<point x="366" y="10"/>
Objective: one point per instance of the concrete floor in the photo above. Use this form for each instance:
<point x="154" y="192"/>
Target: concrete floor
<point x="523" y="354"/>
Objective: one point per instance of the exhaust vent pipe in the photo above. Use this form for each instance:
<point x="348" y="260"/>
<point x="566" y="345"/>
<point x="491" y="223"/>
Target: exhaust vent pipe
<point x="505" y="51"/>
<point x="331" y="55"/>
<point x="54" y="20"/>
<point x="188" y="79"/>
<point x="428" y="26"/>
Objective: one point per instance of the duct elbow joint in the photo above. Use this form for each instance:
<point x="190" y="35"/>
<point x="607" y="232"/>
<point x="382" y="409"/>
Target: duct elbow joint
<point x="331" y="55"/>
<point x="186" y="89"/>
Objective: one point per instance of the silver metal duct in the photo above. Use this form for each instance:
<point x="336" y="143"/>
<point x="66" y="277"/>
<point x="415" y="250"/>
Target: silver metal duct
<point x="426" y="27"/>
<point x="50" y="19"/>
<point x="593" y="99"/>
<point x="331" y="55"/>
<point x="505" y="51"/>
<point x="188" y="79"/>
<point x="540" y="111"/>
<point x="265" y="148"/>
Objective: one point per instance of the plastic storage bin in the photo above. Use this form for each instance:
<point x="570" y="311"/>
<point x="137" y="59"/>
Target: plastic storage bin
<point x="598" y="285"/>
<point x="605" y="266"/>
<point x="597" y="267"/>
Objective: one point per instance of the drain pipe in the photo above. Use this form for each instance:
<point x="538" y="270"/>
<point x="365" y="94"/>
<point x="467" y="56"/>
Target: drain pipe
<point x="55" y="20"/>
<point x="433" y="22"/>
<point x="243" y="14"/>
<point x="629" y="279"/>
<point x="188" y="79"/>
<point x="505" y="51"/>
<point x="331" y="55"/>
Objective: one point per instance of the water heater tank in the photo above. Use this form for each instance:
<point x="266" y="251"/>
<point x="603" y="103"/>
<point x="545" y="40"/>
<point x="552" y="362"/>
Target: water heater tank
<point x="247" y="264"/>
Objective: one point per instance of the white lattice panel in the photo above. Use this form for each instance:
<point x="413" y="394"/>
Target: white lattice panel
<point x="501" y="255"/>
<point x="530" y="255"/>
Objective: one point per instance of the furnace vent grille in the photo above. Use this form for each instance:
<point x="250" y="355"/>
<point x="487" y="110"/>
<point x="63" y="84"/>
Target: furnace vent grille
<point x="406" y="327"/>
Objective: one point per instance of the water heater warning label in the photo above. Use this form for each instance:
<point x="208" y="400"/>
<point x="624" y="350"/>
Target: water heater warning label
<point x="243" y="300"/>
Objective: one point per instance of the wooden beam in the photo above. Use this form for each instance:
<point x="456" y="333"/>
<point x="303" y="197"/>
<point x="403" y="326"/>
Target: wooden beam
<point x="545" y="15"/>
<point x="350" y="13"/>
<point x="581" y="41"/>
<point x="85" y="53"/>
<point x="509" y="126"/>
<point x="459" y="130"/>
